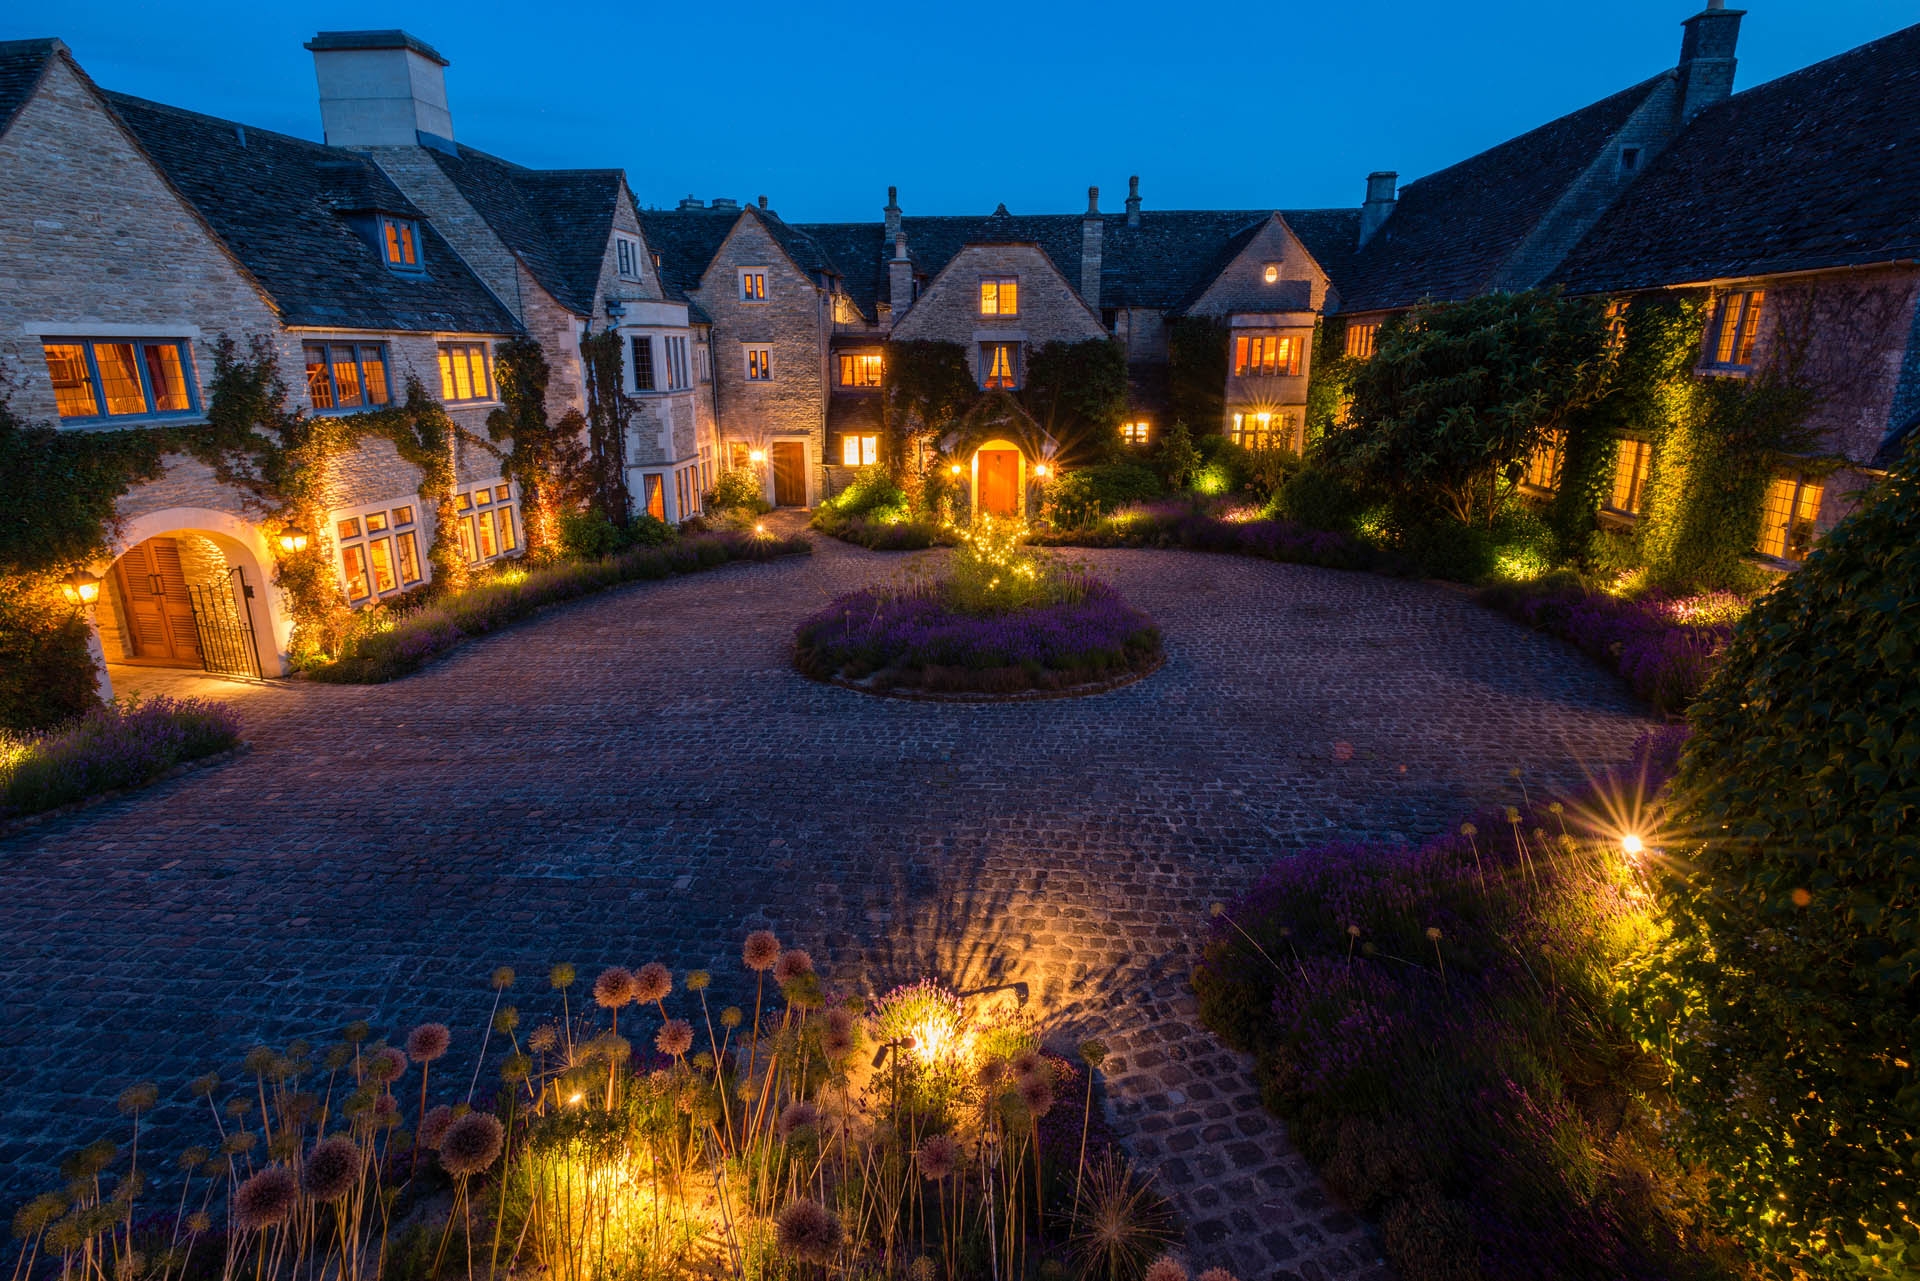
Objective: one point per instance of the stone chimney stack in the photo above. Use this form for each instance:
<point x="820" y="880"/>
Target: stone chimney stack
<point x="1092" y="231"/>
<point x="892" y="212"/>
<point x="1706" y="57"/>
<point x="1381" y="185"/>
<point x="900" y="278"/>
<point x="1133" y="201"/>
<point x="381" y="89"/>
<point x="763" y="204"/>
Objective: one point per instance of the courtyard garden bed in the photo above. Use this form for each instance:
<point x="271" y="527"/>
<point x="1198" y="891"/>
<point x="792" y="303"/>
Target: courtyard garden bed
<point x="1005" y="621"/>
<point x="1441" y="1029"/>
<point x="873" y="512"/>
<point x="391" y="643"/>
<point x="120" y="745"/>
<point x="807" y="1131"/>
<point x="1212" y="525"/>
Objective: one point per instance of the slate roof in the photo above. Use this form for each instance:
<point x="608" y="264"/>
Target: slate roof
<point x="279" y="204"/>
<point x="1819" y="168"/>
<point x="686" y="240"/>
<point x="558" y="221"/>
<point x="22" y="63"/>
<point x="1453" y="230"/>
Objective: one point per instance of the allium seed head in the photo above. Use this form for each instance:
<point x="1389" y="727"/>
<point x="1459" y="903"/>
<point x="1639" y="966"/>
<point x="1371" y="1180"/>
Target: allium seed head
<point x="921" y="1269"/>
<point x="1469" y="830"/>
<point x="793" y="964"/>
<point x="798" y="1115"/>
<point x="675" y="1038"/>
<point x="428" y="1042"/>
<point x="731" y="1017"/>
<point x="386" y="1111"/>
<point x="544" y="1038"/>
<point x="138" y="1098"/>
<point x="433" y="1126"/>
<point x="1217" y="1274"/>
<point x="761" y="950"/>
<point x="333" y="1167"/>
<point x="1036" y="1092"/>
<point x="266" y="1199"/>
<point x="470" y="1144"/>
<point x="808" y="1230"/>
<point x="698" y="980"/>
<point x="938" y="1157"/>
<point x="388" y="1066"/>
<point x="1028" y="1063"/>
<point x="1165" y="1268"/>
<point x="503" y="978"/>
<point x="561" y="976"/>
<point x="652" y="982"/>
<point x="1433" y="933"/>
<point x="614" y="988"/>
<point x="1093" y="1053"/>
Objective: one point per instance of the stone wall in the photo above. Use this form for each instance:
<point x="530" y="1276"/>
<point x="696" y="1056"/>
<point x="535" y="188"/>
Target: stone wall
<point x="1242" y="286"/>
<point x="1050" y="309"/>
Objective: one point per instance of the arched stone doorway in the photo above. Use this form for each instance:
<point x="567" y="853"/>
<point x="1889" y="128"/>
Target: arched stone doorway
<point x="168" y="564"/>
<point x="1000" y="480"/>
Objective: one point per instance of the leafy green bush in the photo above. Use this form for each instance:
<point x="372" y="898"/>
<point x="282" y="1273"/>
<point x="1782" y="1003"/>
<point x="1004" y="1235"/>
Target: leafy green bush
<point x="588" y="534"/>
<point x="871" y="493"/>
<point x="1787" y="992"/>
<point x="46" y="667"/>
<point x="737" y="489"/>
<point x="1080" y="497"/>
<point x="1321" y="498"/>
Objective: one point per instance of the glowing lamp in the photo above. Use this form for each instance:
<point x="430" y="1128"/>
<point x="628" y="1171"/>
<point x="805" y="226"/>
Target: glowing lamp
<point x="80" y="587"/>
<point x="756" y="455"/>
<point x="955" y="469"/>
<point x="1040" y="469"/>
<point x="1631" y="845"/>
<point x="575" y="1100"/>
<point x="293" y="541"/>
<point x="759" y="529"/>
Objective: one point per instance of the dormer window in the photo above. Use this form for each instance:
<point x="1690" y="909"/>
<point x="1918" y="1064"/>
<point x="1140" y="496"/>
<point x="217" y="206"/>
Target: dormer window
<point x="1629" y="161"/>
<point x="626" y="251"/>
<point x="400" y="242"/>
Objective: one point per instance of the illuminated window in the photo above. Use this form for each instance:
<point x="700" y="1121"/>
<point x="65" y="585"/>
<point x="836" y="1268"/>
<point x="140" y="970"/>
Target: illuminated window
<point x="642" y="363"/>
<point x="379" y="551"/>
<point x="346" y="375"/>
<point x="759" y="364"/>
<point x="1735" y="328"/>
<point x="488" y="521"/>
<point x="753" y="284"/>
<point x="1630" y="470"/>
<point x="1361" y="337"/>
<point x="400" y="240"/>
<point x="466" y="372"/>
<point x="999" y="296"/>
<point x="860" y="369"/>
<point x="998" y="361"/>
<point x="626" y="251"/>
<point x="99" y="377"/>
<point x="1266" y="355"/>
<point x="859" y="450"/>
<point x="1271" y="273"/>
<point x="1261" y="429"/>
<point x="1543" y="465"/>
<point x="656" y="495"/>
<point x="1135" y="433"/>
<point x="1617" y="323"/>
<point x="1787" y="521"/>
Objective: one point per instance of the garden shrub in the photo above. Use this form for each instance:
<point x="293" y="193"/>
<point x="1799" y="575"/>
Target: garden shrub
<point x="1080" y="497"/>
<point x="46" y="665"/>
<point x="737" y="489"/>
<point x="1787" y="991"/>
<point x="1438" y="1027"/>
<point x="1321" y="498"/>
<point x="116" y="745"/>
<point x="588" y="534"/>
<point x="1198" y="524"/>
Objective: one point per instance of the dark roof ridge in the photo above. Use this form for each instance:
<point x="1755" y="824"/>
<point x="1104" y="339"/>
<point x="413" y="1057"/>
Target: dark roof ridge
<point x="115" y="95"/>
<point x="16" y="89"/>
<point x="1642" y="88"/>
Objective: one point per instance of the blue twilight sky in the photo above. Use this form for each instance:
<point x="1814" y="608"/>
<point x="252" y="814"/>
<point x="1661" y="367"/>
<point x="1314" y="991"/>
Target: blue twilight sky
<point x="822" y="106"/>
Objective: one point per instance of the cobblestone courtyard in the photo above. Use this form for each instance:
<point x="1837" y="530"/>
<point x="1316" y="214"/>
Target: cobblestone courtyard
<point x="642" y="776"/>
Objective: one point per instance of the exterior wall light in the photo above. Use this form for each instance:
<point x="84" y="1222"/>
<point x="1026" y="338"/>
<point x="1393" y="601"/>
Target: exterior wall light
<point x="81" y="587"/>
<point x="1040" y="470"/>
<point x="955" y="469"/>
<point x="1631" y="845"/>
<point x="756" y="456"/>
<point x="293" y="541"/>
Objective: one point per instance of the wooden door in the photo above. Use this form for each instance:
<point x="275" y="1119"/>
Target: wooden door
<point x="1000" y="482"/>
<point x="789" y="473"/>
<point x="159" y="607"/>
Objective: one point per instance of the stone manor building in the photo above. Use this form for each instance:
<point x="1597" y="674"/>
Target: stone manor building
<point x="134" y="235"/>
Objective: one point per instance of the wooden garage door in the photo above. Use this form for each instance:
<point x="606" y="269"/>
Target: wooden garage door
<point x="789" y="473"/>
<point x="159" y="607"/>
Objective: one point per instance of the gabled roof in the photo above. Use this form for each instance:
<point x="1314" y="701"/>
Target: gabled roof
<point x="283" y="208"/>
<point x="686" y="240"/>
<point x="1819" y="168"/>
<point x="1452" y="231"/>
<point x="22" y="63"/>
<point x="558" y="221"/>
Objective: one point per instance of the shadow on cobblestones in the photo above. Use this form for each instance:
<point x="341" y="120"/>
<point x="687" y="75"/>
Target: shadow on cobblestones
<point x="643" y="776"/>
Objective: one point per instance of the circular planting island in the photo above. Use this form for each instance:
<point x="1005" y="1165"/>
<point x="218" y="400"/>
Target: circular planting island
<point x="1004" y="622"/>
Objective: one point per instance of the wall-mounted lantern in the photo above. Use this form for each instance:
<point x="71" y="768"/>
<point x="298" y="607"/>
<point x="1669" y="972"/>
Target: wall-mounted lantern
<point x="81" y="587"/>
<point x="293" y="541"/>
<point x="756" y="456"/>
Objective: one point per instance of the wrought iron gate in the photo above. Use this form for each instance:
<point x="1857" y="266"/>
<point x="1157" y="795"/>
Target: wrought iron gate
<point x="223" y="619"/>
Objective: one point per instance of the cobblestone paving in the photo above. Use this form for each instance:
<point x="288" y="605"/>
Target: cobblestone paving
<point x="642" y="776"/>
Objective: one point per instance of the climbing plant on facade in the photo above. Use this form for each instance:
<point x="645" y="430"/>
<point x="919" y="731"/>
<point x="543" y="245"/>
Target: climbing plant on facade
<point x="609" y="415"/>
<point x="1077" y="392"/>
<point x="928" y="388"/>
<point x="547" y="460"/>
<point x="1197" y="372"/>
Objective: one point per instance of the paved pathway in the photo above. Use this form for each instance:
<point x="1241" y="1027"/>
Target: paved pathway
<point x="642" y="776"/>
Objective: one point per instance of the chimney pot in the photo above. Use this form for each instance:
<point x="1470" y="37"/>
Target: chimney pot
<point x="1382" y="195"/>
<point x="1706" y="57"/>
<point x="1093" y="201"/>
<point x="1133" y="201"/>
<point x="763" y="202"/>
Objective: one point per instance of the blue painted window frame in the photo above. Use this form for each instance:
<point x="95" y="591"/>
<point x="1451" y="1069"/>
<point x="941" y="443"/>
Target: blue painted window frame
<point x="187" y="371"/>
<point x="418" y="267"/>
<point x="359" y="349"/>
